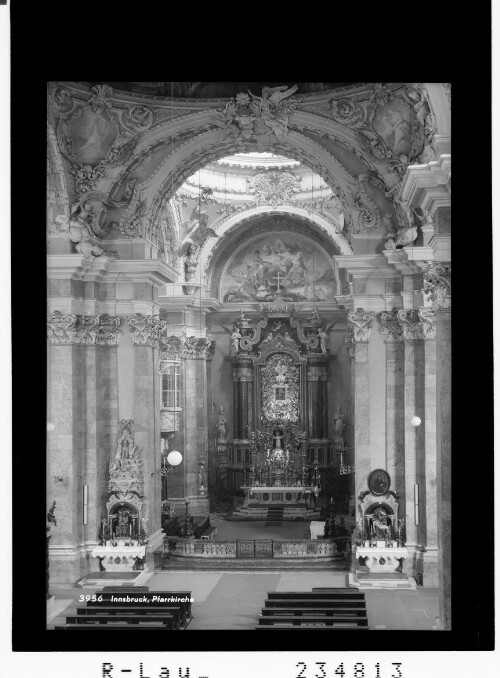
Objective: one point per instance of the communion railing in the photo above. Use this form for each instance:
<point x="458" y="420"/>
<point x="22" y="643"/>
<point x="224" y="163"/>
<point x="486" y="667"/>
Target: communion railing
<point x="288" y="548"/>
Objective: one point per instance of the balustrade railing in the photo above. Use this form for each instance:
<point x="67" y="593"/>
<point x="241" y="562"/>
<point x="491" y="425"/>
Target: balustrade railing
<point x="288" y="548"/>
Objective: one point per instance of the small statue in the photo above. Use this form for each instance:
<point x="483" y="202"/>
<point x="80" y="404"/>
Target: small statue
<point x="323" y="337"/>
<point x="191" y="262"/>
<point x="125" y="445"/>
<point x="379" y="524"/>
<point x="339" y="421"/>
<point x="50" y="515"/>
<point x="222" y="426"/>
<point x="235" y="341"/>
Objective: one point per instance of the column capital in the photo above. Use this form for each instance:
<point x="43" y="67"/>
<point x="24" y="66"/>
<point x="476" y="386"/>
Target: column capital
<point x="146" y="330"/>
<point x="360" y="321"/>
<point x="182" y="347"/>
<point x="437" y="284"/>
<point x="98" y="330"/>
<point x="410" y="324"/>
<point x="195" y="347"/>
<point x="390" y="326"/>
<point x="428" y="322"/>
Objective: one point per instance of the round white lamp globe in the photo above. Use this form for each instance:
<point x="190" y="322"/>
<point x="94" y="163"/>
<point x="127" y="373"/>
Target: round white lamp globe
<point x="50" y="427"/>
<point x="174" y="458"/>
<point x="415" y="421"/>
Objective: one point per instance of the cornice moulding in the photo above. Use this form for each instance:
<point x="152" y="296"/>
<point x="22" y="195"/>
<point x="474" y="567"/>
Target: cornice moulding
<point x="420" y="178"/>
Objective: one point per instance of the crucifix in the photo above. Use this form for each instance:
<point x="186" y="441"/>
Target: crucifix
<point x="277" y="277"/>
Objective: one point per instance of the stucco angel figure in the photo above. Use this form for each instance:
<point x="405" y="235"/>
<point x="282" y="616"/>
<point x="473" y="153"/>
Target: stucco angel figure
<point x="197" y="230"/>
<point x="273" y="111"/>
<point x="80" y="230"/>
<point x="235" y="338"/>
<point x="323" y="337"/>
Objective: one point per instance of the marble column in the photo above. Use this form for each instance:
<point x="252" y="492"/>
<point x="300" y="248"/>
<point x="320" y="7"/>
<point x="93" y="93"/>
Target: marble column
<point x="243" y="384"/>
<point x="430" y="556"/>
<point x="81" y="397"/>
<point x="99" y="424"/>
<point x="359" y="325"/>
<point x="317" y="398"/>
<point x="195" y="419"/>
<point x="437" y="279"/>
<point x="413" y="369"/>
<point x="146" y="331"/>
<point x="391" y="331"/>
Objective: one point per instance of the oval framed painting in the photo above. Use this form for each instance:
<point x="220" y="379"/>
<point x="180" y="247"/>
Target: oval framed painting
<point x="379" y="482"/>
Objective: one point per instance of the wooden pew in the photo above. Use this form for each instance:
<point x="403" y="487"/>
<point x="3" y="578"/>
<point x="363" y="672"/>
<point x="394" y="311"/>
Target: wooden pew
<point x="108" y="595"/>
<point x="331" y="609"/>
<point x="109" y="627"/>
<point x="164" y="619"/>
<point x="178" y="613"/>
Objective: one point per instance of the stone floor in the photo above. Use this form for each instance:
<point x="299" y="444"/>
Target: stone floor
<point x="233" y="600"/>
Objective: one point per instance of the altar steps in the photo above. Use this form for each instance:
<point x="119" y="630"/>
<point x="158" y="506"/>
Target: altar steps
<point x="289" y="564"/>
<point x="275" y="514"/>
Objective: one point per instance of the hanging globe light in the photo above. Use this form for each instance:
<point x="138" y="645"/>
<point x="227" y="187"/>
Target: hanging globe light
<point x="174" y="458"/>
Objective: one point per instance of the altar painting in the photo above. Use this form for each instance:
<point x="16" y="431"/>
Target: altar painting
<point x="287" y="266"/>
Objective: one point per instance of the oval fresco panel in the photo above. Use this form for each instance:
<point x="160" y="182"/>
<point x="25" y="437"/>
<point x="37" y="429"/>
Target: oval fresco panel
<point x="93" y="134"/>
<point x="392" y="124"/>
<point x="283" y="265"/>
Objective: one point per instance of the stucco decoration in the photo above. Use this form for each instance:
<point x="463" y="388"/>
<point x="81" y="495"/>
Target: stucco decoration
<point x="437" y="284"/>
<point x="94" y="135"/>
<point x="278" y="264"/>
<point x="260" y="118"/>
<point x="274" y="187"/>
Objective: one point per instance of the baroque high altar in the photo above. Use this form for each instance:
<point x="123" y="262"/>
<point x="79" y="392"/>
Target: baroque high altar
<point x="280" y="373"/>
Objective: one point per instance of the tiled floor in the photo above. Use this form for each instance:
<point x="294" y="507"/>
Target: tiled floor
<point x="233" y="600"/>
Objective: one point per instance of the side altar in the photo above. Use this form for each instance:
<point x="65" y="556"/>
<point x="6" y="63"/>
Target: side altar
<point x="380" y="552"/>
<point x="123" y="532"/>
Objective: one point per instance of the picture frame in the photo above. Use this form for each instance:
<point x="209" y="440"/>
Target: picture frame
<point x="379" y="482"/>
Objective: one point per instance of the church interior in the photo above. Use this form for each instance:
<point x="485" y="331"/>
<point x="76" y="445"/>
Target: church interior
<point x="249" y="355"/>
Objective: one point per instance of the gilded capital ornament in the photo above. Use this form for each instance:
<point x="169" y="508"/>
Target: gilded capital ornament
<point x="61" y="328"/>
<point x="171" y="348"/>
<point x="390" y="326"/>
<point x="410" y="324"/>
<point x="437" y="284"/>
<point x="195" y="347"/>
<point x="87" y="330"/>
<point x="361" y="323"/>
<point x="428" y="322"/>
<point x="146" y="330"/>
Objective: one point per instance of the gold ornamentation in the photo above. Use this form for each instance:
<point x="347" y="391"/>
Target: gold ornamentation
<point x="280" y="377"/>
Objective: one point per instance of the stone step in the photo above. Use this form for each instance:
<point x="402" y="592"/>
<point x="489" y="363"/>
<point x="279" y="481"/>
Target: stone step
<point x="299" y="564"/>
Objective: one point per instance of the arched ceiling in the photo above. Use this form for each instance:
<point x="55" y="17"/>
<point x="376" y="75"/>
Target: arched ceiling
<point x="129" y="153"/>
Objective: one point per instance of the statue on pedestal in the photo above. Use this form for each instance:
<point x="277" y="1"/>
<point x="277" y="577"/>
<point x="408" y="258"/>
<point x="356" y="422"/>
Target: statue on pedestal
<point x="339" y="424"/>
<point x="222" y="426"/>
